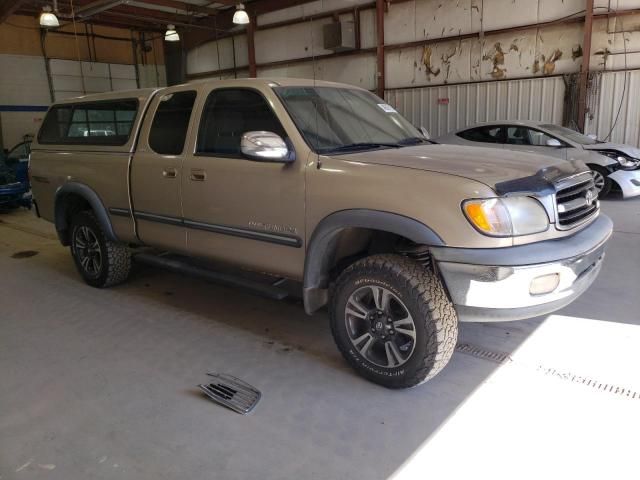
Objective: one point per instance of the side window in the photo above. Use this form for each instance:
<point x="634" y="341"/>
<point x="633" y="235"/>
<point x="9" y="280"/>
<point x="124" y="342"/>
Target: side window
<point x="518" y="136"/>
<point x="171" y="122"/>
<point x="527" y="136"/>
<point x="228" y="114"/>
<point x="488" y="134"/>
<point x="95" y="123"/>
<point x="536" y="137"/>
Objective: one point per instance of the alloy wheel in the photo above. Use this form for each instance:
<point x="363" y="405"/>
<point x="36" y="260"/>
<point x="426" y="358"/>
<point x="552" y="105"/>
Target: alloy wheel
<point x="88" y="250"/>
<point x="380" y="326"/>
<point x="598" y="180"/>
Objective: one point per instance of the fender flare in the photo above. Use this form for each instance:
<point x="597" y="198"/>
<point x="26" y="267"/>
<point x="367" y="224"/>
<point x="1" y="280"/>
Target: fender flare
<point x="82" y="190"/>
<point x="323" y="241"/>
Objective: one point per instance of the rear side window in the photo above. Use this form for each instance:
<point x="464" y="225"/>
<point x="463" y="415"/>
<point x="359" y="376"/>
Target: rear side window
<point x="171" y="122"/>
<point x="488" y="134"/>
<point x="93" y="123"/>
<point x="228" y="114"/>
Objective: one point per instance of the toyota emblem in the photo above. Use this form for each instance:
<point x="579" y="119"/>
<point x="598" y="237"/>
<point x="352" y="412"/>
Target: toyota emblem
<point x="590" y="197"/>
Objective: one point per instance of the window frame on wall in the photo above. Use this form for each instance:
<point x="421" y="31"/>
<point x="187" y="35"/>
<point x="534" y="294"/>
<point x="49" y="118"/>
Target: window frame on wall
<point x="103" y="140"/>
<point x="198" y="151"/>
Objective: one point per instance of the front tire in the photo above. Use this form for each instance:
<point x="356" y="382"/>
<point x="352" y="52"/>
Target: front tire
<point x="392" y="321"/>
<point x="602" y="181"/>
<point x="101" y="262"/>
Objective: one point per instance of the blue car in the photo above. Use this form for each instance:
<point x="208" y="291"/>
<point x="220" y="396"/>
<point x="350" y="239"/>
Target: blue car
<point x="15" y="189"/>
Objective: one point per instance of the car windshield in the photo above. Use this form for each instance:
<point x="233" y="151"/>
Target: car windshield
<point x="571" y="135"/>
<point x="342" y="120"/>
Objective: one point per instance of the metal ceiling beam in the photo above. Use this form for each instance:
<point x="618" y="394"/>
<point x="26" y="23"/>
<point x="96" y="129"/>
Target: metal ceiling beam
<point x="8" y="7"/>
<point x="186" y="7"/>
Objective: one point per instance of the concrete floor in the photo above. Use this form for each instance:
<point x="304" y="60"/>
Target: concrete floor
<point x="101" y="383"/>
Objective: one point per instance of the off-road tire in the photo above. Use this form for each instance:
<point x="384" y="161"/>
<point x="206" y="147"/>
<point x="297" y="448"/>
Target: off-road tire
<point x="116" y="258"/>
<point x="608" y="183"/>
<point x="436" y="322"/>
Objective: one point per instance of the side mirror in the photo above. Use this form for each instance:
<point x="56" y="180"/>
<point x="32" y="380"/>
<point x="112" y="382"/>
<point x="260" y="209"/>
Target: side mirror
<point x="593" y="136"/>
<point x="265" y="147"/>
<point x="553" y="142"/>
<point x="425" y="133"/>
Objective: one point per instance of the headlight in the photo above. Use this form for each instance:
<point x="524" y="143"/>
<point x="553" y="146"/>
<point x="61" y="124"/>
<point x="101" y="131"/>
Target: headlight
<point x="626" y="161"/>
<point x="506" y="217"/>
<point x="623" y="160"/>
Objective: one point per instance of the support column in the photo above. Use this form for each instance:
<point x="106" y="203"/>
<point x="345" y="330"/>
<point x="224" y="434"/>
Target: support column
<point x="251" y="47"/>
<point x="380" y="84"/>
<point x="584" y="69"/>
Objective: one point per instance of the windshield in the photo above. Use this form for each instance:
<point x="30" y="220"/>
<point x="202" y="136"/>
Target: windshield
<point x="339" y="120"/>
<point x="572" y="135"/>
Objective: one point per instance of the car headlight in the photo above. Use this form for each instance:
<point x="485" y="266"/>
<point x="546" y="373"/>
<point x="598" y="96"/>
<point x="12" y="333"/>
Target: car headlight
<point x="626" y="162"/>
<point x="506" y="217"/>
<point x="623" y="160"/>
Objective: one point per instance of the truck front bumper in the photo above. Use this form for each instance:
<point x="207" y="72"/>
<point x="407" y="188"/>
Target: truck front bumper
<point x="494" y="285"/>
<point x="628" y="181"/>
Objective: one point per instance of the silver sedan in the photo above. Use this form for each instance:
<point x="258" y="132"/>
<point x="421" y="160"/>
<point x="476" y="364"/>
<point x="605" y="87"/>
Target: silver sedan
<point x="612" y="164"/>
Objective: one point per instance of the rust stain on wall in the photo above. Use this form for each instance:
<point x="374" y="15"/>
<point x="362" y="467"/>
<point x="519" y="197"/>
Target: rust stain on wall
<point x="496" y="56"/>
<point x="576" y="52"/>
<point x="550" y="64"/>
<point x="426" y="61"/>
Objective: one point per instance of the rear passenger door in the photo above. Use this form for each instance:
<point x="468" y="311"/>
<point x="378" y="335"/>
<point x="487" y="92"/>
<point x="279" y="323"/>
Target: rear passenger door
<point x="531" y="140"/>
<point x="157" y="169"/>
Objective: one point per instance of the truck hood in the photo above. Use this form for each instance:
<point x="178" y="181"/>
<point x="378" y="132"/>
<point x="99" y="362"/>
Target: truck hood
<point x="487" y="165"/>
<point x="633" y="152"/>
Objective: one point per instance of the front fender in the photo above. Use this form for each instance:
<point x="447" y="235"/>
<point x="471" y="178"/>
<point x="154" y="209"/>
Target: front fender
<point x="320" y="250"/>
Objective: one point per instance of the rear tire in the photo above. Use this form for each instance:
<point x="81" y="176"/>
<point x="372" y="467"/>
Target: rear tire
<point x="415" y="336"/>
<point x="101" y="262"/>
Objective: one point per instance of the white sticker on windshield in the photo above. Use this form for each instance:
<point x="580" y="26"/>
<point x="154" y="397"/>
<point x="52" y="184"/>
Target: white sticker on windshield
<point x="387" y="108"/>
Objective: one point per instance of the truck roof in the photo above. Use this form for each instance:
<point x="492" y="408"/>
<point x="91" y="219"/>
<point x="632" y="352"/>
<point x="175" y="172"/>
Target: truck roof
<point x="240" y="82"/>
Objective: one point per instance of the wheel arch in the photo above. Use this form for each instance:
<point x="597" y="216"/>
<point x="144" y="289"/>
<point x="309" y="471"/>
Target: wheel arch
<point x="73" y="197"/>
<point x="322" y="247"/>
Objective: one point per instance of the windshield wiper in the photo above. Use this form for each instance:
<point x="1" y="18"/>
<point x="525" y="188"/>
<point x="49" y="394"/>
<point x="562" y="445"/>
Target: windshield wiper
<point x="361" y="146"/>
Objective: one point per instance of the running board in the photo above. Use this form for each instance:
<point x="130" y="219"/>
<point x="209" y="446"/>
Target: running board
<point x="175" y="264"/>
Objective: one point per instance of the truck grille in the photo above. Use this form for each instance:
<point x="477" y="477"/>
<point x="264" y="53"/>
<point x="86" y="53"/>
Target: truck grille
<point x="576" y="201"/>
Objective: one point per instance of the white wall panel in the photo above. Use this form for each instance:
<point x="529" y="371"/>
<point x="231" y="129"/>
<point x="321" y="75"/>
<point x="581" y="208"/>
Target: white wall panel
<point x="15" y="125"/>
<point x="72" y="79"/>
<point x="614" y="114"/>
<point x="23" y="80"/>
<point x="445" y="108"/>
<point x="353" y="70"/>
<point x="213" y="56"/>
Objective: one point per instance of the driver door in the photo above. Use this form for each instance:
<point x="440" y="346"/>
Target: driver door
<point x="240" y="211"/>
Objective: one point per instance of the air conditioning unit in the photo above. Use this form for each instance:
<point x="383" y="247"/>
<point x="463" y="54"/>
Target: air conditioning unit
<point x="339" y="36"/>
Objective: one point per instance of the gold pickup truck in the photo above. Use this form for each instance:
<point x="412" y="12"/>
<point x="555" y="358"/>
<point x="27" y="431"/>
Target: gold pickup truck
<point x="327" y="187"/>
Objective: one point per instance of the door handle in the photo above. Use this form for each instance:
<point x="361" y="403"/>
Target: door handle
<point x="169" y="173"/>
<point x="198" y="175"/>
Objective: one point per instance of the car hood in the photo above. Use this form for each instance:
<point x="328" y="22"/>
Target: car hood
<point x="487" y="165"/>
<point x="621" y="147"/>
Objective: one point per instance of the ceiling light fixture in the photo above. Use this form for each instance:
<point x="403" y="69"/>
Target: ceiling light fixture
<point x="48" y="19"/>
<point x="240" y="17"/>
<point x="171" y="35"/>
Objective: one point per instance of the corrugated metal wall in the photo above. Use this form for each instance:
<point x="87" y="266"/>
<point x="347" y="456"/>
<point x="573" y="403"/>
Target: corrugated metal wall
<point x="610" y="104"/>
<point x="449" y="107"/>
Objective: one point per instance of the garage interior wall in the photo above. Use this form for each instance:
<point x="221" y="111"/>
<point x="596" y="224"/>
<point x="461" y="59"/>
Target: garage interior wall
<point x="485" y="47"/>
<point x="99" y="59"/>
